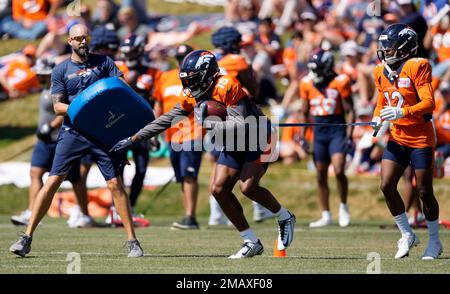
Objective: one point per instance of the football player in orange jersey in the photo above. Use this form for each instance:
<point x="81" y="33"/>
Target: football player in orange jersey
<point x="326" y="96"/>
<point x="227" y="41"/>
<point x="202" y="81"/>
<point x="185" y="163"/>
<point x="142" y="79"/>
<point x="406" y="99"/>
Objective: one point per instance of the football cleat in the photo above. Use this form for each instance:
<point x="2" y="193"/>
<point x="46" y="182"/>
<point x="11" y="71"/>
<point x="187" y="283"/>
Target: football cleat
<point x="286" y="232"/>
<point x="434" y="249"/>
<point x="405" y="244"/>
<point x="248" y="250"/>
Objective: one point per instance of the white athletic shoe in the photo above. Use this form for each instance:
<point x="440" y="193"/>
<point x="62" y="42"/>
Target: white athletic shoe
<point x="74" y="215"/>
<point x="84" y="221"/>
<point x="324" y="221"/>
<point x="286" y="232"/>
<point x="434" y="249"/>
<point x="344" y="216"/>
<point x="221" y="221"/>
<point x="248" y="250"/>
<point x="22" y="219"/>
<point x="405" y="244"/>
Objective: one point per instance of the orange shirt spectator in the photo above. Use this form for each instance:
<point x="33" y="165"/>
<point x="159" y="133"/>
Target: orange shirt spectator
<point x="168" y="93"/>
<point x="34" y="10"/>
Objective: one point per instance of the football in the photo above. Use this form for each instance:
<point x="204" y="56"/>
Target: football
<point x="215" y="108"/>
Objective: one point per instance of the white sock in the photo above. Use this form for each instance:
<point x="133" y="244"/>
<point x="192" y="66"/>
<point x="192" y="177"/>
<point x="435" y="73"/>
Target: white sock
<point x="216" y="211"/>
<point x="248" y="236"/>
<point x="433" y="230"/>
<point x="283" y="214"/>
<point x="326" y="214"/>
<point x="402" y="222"/>
<point x="343" y="206"/>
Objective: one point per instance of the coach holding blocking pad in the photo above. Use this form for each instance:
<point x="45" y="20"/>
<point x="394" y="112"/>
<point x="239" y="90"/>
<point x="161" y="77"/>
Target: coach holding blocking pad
<point x="69" y="79"/>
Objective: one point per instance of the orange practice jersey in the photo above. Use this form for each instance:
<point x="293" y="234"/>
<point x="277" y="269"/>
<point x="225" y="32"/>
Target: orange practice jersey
<point x="145" y="82"/>
<point x="20" y="76"/>
<point x="412" y="91"/>
<point x="330" y="102"/>
<point x="169" y="92"/>
<point x="294" y="133"/>
<point x="441" y="43"/>
<point x="226" y="90"/>
<point x="442" y="121"/>
<point x="233" y="64"/>
<point x="33" y="10"/>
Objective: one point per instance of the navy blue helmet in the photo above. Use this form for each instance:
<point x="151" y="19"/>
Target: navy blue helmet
<point x="228" y="39"/>
<point x="103" y="38"/>
<point x="396" y="43"/>
<point x="198" y="72"/>
<point x="321" y="65"/>
<point x="181" y="51"/>
<point x="132" y="49"/>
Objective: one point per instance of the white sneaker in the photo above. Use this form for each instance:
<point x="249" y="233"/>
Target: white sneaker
<point x="22" y="219"/>
<point x="405" y="244"/>
<point x="322" y="222"/>
<point x="74" y="215"/>
<point x="434" y="249"/>
<point x="222" y="220"/>
<point x="286" y="232"/>
<point x="344" y="216"/>
<point x="84" y="221"/>
<point x="248" y="250"/>
<point x="260" y="213"/>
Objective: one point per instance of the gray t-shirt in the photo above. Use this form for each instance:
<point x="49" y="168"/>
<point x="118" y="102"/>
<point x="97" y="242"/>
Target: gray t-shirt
<point x="46" y="112"/>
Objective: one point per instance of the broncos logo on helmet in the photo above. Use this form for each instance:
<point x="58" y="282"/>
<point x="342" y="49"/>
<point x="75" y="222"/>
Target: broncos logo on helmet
<point x="198" y="72"/>
<point x="397" y="42"/>
<point x="321" y="66"/>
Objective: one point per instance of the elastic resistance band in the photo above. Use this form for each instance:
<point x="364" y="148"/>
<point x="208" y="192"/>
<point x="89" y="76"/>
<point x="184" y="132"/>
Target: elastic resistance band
<point x="284" y="125"/>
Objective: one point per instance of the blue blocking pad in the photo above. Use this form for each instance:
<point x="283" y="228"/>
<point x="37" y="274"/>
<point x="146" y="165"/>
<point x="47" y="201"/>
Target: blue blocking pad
<point x="108" y="111"/>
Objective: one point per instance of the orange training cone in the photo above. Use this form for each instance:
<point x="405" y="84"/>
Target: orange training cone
<point x="278" y="253"/>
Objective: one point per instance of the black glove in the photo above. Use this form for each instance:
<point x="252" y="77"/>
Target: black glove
<point x="201" y="112"/>
<point x="348" y="148"/>
<point x="154" y="144"/>
<point x="304" y="144"/>
<point x="122" y="145"/>
<point x="44" y="133"/>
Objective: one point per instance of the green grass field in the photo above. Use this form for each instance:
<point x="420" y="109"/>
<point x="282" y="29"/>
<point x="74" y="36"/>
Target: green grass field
<point x="331" y="250"/>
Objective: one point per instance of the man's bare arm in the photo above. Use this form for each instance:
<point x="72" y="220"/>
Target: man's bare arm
<point x="60" y="105"/>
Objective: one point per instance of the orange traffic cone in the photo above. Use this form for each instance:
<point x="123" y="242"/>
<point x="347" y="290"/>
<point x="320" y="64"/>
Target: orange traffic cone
<point x="278" y="253"/>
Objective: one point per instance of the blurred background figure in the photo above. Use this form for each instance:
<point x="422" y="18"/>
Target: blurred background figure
<point x="44" y="151"/>
<point x="29" y="18"/>
<point x="17" y="78"/>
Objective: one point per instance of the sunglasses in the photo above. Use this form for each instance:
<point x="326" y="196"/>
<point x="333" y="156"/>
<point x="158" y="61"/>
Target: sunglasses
<point x="80" y="39"/>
